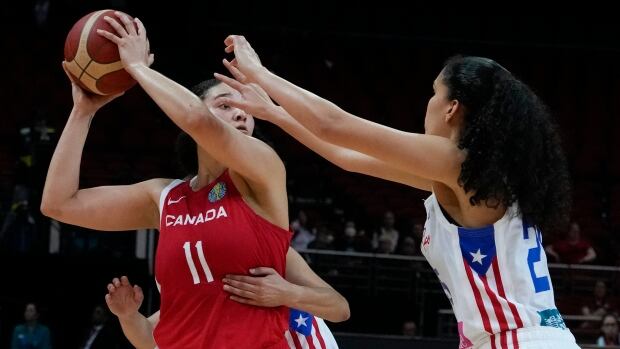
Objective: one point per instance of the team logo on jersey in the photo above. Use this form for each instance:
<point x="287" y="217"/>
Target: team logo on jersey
<point x="552" y="318"/>
<point x="426" y="240"/>
<point x="172" y="202"/>
<point x="217" y="192"/>
<point x="464" y="343"/>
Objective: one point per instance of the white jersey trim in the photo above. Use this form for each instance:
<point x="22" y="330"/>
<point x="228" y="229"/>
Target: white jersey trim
<point x="328" y="337"/>
<point x="510" y="213"/>
<point x="164" y="193"/>
<point x="535" y="337"/>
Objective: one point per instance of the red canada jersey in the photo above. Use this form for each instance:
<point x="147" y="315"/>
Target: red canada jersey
<point x="205" y="235"/>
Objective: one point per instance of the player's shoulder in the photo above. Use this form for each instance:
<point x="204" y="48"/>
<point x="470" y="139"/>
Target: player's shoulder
<point x="156" y="186"/>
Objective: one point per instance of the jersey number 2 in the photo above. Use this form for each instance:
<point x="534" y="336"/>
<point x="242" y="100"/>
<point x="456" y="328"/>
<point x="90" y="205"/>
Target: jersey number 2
<point x="203" y="262"/>
<point x="541" y="283"/>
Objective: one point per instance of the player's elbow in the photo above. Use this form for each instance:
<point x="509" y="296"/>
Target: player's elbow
<point x="193" y="122"/>
<point x="350" y="161"/>
<point x="324" y="129"/>
<point x="330" y="127"/>
<point x="346" y="313"/>
<point x="344" y="166"/>
<point x="343" y="312"/>
<point x="54" y="207"/>
<point x="196" y="118"/>
<point x="49" y="209"/>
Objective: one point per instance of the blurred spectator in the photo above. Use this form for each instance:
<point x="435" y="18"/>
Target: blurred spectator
<point x="609" y="330"/>
<point x="346" y="241"/>
<point x="18" y="232"/>
<point x="386" y="231"/>
<point x="31" y="335"/>
<point x="324" y="240"/>
<point x="352" y="240"/>
<point x="573" y="249"/>
<point x="407" y="246"/>
<point x="41" y="12"/>
<point x="102" y="334"/>
<point x="409" y="328"/>
<point x="33" y="136"/>
<point x="362" y="241"/>
<point x="599" y="305"/>
<point x="418" y="230"/>
<point x="386" y="245"/>
<point x="302" y="234"/>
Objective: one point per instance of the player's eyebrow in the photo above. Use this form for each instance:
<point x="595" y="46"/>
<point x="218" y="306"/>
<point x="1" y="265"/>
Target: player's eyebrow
<point x="225" y="94"/>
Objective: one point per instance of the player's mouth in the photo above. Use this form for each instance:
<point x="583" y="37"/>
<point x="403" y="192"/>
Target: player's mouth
<point x="243" y="129"/>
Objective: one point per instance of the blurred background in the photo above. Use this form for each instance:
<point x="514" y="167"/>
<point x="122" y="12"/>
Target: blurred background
<point x="360" y="234"/>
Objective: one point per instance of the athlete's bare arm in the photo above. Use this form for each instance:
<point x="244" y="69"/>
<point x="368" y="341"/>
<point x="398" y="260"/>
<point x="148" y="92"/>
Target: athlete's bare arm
<point x="103" y="208"/>
<point x="257" y="103"/>
<point x="124" y="301"/>
<point x="302" y="289"/>
<point x="255" y="161"/>
<point x="431" y="157"/>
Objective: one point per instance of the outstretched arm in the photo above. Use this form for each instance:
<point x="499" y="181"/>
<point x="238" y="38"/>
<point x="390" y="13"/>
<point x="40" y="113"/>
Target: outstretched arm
<point x="258" y="103"/>
<point x="302" y="289"/>
<point x="124" y="301"/>
<point x="123" y="207"/>
<point x="431" y="157"/>
<point x="251" y="158"/>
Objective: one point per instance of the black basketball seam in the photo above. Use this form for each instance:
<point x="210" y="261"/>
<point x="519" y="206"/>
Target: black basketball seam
<point x="84" y="70"/>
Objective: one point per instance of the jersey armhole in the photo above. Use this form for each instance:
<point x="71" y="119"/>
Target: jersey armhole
<point x="164" y="193"/>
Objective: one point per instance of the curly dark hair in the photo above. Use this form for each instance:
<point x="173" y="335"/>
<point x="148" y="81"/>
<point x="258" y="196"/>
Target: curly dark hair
<point x="513" y="148"/>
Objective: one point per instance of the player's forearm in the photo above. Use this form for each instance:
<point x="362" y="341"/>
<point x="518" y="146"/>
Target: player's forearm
<point x="182" y="106"/>
<point x="138" y="330"/>
<point x="333" y="153"/>
<point x="320" y="116"/>
<point x="323" y="302"/>
<point x="63" y="175"/>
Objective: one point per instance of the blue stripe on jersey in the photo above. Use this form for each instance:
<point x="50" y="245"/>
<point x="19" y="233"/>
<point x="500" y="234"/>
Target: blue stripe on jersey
<point x="478" y="247"/>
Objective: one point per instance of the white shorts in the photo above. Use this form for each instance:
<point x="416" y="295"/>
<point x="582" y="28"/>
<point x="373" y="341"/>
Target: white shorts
<point x="538" y="337"/>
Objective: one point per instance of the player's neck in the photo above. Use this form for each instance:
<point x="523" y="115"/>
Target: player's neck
<point x="207" y="173"/>
<point x="209" y="170"/>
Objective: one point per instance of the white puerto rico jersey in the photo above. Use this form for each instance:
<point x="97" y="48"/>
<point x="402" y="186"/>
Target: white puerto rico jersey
<point x="306" y="331"/>
<point x="495" y="277"/>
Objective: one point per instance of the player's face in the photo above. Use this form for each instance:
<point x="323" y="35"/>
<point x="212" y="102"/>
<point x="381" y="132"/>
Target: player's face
<point x="238" y="118"/>
<point x="435" y="120"/>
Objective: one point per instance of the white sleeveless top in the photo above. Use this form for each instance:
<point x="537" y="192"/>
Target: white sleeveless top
<point x="495" y="277"/>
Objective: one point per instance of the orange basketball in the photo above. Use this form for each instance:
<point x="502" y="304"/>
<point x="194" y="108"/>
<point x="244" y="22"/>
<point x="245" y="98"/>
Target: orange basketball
<point x="94" y="60"/>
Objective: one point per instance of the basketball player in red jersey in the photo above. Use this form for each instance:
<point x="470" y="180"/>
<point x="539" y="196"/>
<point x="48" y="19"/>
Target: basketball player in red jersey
<point x="230" y="218"/>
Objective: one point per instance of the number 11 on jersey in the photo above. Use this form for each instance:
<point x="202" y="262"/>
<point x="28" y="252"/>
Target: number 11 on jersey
<point x="203" y="262"/>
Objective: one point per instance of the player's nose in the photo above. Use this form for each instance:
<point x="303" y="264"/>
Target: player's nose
<point x="240" y="116"/>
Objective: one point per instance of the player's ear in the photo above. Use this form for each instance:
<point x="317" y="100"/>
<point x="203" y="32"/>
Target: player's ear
<point x="454" y="112"/>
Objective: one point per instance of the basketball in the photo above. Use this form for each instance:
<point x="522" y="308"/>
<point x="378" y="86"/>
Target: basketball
<point x="93" y="60"/>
